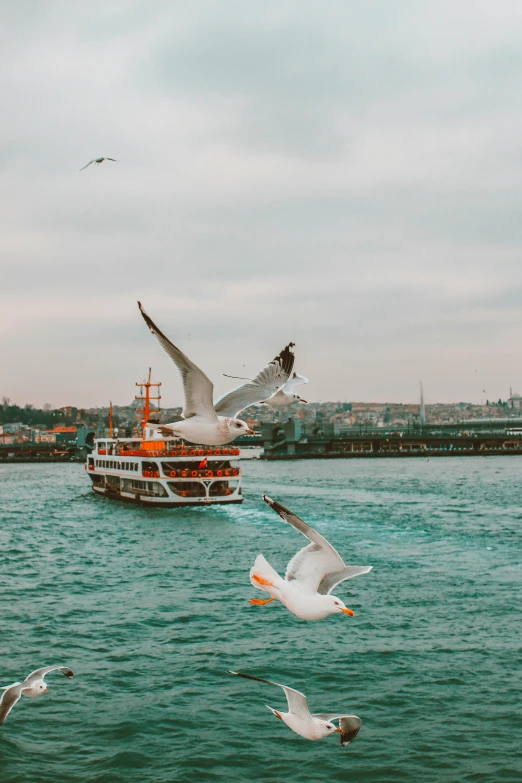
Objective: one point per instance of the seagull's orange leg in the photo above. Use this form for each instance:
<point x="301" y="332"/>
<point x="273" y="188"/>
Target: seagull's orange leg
<point x="261" y="581"/>
<point x="260" y="601"/>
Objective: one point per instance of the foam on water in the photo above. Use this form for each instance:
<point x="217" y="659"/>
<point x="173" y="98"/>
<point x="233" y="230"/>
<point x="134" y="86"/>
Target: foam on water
<point x="149" y="607"/>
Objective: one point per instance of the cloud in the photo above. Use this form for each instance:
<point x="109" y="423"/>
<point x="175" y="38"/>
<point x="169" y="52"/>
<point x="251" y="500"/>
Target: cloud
<point x="346" y="176"/>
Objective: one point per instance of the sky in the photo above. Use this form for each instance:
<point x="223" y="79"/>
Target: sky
<point x="346" y="175"/>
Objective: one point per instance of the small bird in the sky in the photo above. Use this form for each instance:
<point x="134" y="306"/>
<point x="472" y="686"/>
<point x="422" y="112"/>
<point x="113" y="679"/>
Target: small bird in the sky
<point x="33" y="686"/>
<point x="97" y="162"/>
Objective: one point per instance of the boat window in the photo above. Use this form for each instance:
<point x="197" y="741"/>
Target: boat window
<point x="188" y="489"/>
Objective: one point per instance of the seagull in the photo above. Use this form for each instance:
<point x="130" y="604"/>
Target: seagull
<point x="267" y="381"/>
<point x="216" y="424"/>
<point x="97" y="162"/>
<point x="310" y="726"/>
<point x="284" y="396"/>
<point x="310" y="575"/>
<point x="33" y="686"/>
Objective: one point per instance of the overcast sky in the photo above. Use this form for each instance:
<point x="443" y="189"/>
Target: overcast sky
<point x="344" y="174"/>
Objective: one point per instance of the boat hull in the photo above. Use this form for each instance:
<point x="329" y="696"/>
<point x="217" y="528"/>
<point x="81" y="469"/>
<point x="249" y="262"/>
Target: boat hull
<point x="159" y="503"/>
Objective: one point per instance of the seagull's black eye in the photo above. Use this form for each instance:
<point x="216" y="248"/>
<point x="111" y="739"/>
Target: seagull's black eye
<point x="336" y="603"/>
<point x="237" y="424"/>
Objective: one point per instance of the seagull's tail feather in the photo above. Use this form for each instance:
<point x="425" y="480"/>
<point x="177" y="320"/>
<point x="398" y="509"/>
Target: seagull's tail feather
<point x="263" y="569"/>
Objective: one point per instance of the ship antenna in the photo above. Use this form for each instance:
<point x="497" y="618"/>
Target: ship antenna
<point x="146" y="410"/>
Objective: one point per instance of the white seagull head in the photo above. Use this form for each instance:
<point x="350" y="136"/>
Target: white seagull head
<point x="239" y="427"/>
<point x="329" y="728"/>
<point x="40" y="687"/>
<point x="335" y="605"/>
<point x="297" y="398"/>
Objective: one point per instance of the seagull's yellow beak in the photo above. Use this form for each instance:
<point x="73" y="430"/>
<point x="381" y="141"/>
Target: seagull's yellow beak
<point x="46" y="690"/>
<point x="348" y="611"/>
<point x="250" y="432"/>
<point x="340" y="731"/>
<point x="305" y="401"/>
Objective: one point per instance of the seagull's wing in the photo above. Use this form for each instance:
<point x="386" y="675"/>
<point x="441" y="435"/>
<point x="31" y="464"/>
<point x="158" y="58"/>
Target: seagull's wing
<point x="312" y="563"/>
<point x="87" y="166"/>
<point x="297" y="703"/>
<point x="197" y="387"/>
<point x="295" y="380"/>
<point x="331" y="580"/>
<point x="113" y="159"/>
<point x="9" y="698"/>
<point x="39" y="674"/>
<point x="264" y="385"/>
<point x="350" y="724"/>
<point x="318" y="567"/>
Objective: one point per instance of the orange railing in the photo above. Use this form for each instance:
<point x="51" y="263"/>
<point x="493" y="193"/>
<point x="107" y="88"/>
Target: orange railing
<point x="199" y="473"/>
<point x="181" y="452"/>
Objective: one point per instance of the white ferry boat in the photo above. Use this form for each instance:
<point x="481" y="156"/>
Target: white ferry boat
<point x="167" y="472"/>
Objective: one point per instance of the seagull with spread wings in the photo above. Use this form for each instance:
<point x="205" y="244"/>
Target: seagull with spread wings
<point x="97" y="162"/>
<point x="214" y="424"/>
<point x="285" y="396"/>
<point x="310" y="726"/>
<point x="310" y="576"/>
<point x="33" y="686"/>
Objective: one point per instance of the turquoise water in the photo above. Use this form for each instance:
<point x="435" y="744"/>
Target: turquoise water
<point x="149" y="607"/>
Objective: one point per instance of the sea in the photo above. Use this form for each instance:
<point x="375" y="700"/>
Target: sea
<point x="149" y="607"/>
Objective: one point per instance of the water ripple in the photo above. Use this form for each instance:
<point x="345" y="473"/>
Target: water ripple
<point x="149" y="607"/>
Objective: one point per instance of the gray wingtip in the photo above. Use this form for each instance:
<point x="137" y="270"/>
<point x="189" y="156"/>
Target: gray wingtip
<point x="231" y="672"/>
<point x="348" y="736"/>
<point x="68" y="673"/>
<point x="277" y="506"/>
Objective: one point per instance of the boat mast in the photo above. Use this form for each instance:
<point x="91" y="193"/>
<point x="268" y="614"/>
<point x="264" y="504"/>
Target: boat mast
<point x="147" y="410"/>
<point x="110" y="420"/>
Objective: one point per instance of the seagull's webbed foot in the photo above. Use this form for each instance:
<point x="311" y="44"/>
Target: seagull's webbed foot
<point x="260" y="601"/>
<point x="261" y="581"/>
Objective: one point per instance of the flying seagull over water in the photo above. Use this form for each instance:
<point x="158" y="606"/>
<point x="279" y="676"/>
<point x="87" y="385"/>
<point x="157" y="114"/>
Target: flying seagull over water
<point x="97" y="162"/>
<point x="310" y="576"/>
<point x="216" y="425"/>
<point x="285" y="396"/>
<point x="33" y="686"/>
<point x="312" y="727"/>
<point x="271" y="377"/>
